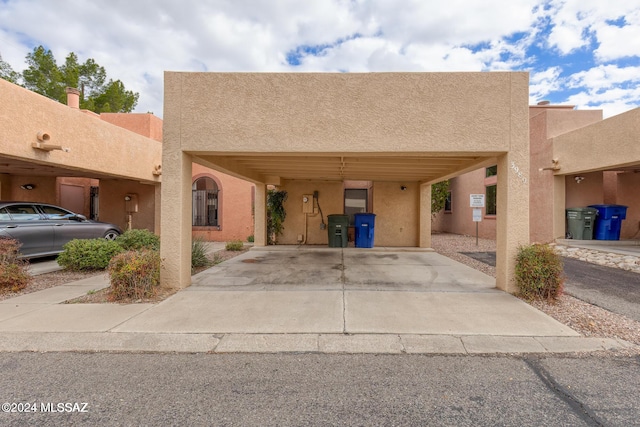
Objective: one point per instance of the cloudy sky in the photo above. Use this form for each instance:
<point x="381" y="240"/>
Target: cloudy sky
<point x="579" y="52"/>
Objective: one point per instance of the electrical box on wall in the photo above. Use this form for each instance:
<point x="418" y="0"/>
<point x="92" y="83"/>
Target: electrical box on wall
<point x="307" y="203"/>
<point x="131" y="203"/>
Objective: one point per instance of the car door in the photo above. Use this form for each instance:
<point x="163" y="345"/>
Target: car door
<point x="67" y="226"/>
<point x="24" y="223"/>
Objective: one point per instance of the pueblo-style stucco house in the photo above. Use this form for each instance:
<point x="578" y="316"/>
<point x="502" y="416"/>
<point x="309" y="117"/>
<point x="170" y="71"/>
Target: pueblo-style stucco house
<point x="577" y="159"/>
<point x="375" y="141"/>
<point x="308" y="133"/>
<point x="92" y="163"/>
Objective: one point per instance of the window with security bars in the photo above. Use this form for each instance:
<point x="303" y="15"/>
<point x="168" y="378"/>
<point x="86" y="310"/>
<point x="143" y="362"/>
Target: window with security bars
<point x="205" y="203"/>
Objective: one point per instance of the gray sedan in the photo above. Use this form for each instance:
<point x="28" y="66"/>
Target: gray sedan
<point x="43" y="229"/>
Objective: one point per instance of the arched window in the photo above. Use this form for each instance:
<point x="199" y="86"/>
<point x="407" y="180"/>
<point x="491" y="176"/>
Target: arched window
<point x="205" y="202"/>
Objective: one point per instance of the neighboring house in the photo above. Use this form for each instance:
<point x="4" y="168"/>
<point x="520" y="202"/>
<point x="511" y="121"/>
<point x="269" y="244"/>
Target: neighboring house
<point x="556" y="186"/>
<point x="97" y="166"/>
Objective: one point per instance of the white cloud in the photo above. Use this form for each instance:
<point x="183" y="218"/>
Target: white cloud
<point x="543" y="83"/>
<point x="136" y="41"/>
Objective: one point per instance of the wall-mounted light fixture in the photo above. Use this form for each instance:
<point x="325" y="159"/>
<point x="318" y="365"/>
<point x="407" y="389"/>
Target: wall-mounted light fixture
<point x="28" y="186"/>
<point x="403" y="187"/>
<point x="578" y="179"/>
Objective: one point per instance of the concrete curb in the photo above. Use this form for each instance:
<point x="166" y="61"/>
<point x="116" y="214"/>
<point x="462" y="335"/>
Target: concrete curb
<point x="302" y="343"/>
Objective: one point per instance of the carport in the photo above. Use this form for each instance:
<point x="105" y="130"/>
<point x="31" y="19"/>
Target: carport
<point x="41" y="140"/>
<point x="306" y="132"/>
<point x="609" y="145"/>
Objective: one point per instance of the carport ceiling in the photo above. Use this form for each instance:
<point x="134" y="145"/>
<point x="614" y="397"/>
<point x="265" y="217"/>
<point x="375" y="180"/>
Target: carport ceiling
<point x="23" y="168"/>
<point x="339" y="167"/>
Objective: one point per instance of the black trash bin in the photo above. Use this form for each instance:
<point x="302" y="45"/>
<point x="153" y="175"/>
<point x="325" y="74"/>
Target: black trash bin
<point x="581" y="223"/>
<point x="338" y="228"/>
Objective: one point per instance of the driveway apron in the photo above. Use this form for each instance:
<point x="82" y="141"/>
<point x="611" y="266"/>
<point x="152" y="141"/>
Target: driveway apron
<point x="301" y="290"/>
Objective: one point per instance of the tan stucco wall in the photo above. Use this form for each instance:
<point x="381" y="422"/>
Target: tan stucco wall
<point x="44" y="191"/>
<point x="94" y="145"/>
<point x="588" y="192"/>
<point x="547" y="122"/>
<point x="590" y="148"/>
<point x="375" y="112"/>
<point x="112" y="204"/>
<point x="397" y="214"/>
<point x="330" y="198"/>
<point x="235" y="211"/>
<point x="629" y="195"/>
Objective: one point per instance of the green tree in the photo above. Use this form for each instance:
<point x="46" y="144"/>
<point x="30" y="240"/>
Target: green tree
<point x="45" y="77"/>
<point x="275" y="214"/>
<point x="7" y="73"/>
<point x="42" y="74"/>
<point x="439" y="194"/>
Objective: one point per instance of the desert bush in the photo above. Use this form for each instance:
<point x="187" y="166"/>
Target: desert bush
<point x="88" y="254"/>
<point x="539" y="272"/>
<point x="234" y="245"/>
<point x="199" y="256"/>
<point x="13" y="272"/>
<point x="138" y="239"/>
<point x="134" y="274"/>
<point x="9" y="250"/>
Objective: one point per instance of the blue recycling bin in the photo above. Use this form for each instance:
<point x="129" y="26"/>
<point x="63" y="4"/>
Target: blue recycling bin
<point x="365" y="224"/>
<point x="609" y="221"/>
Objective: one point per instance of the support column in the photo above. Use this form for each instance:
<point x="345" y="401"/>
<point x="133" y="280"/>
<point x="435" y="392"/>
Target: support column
<point x="260" y="216"/>
<point x="559" y="206"/>
<point x="512" y="217"/>
<point x="425" y="216"/>
<point x="513" y="187"/>
<point x="175" y="245"/>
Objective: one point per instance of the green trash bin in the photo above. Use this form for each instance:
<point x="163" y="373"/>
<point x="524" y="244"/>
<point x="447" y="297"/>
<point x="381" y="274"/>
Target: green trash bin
<point x="338" y="227"/>
<point x="581" y="223"/>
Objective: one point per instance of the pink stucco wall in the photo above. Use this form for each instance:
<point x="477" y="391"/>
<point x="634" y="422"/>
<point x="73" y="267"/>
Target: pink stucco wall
<point x="460" y="219"/>
<point x="629" y="195"/>
<point x="235" y="211"/>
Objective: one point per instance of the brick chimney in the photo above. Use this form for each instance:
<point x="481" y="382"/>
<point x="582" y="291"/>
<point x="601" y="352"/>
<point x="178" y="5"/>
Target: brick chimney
<point x="73" y="97"/>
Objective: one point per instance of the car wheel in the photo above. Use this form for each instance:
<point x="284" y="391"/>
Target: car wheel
<point x="111" y="235"/>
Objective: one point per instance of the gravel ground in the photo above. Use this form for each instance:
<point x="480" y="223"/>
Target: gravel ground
<point x="584" y="318"/>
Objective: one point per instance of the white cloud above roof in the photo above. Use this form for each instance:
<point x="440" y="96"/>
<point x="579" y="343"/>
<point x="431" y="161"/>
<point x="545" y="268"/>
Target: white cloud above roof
<point x="577" y="51"/>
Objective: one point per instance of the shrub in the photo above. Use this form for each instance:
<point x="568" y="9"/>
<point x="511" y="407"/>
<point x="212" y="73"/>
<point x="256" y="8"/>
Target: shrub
<point x="134" y="274"/>
<point x="250" y="239"/>
<point x="138" y="239"/>
<point x="88" y="254"/>
<point x="234" y="245"/>
<point x="199" y="254"/>
<point x="9" y="250"/>
<point x="539" y="272"/>
<point x="14" y="276"/>
<point x="13" y="272"/>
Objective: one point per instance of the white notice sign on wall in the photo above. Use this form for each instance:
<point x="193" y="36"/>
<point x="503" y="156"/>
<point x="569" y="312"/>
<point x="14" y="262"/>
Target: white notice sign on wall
<point x="476" y="200"/>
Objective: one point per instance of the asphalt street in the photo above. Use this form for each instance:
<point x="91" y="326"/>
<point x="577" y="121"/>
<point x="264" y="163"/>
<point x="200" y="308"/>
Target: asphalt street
<point x="611" y="288"/>
<point x="315" y="389"/>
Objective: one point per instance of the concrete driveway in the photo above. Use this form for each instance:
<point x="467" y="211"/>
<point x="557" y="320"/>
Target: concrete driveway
<point x="307" y="290"/>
